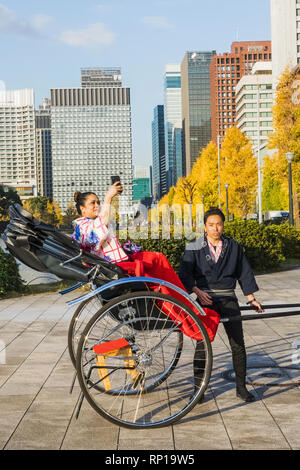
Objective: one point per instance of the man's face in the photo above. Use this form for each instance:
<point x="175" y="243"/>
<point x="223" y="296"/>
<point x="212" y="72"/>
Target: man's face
<point x="214" y="227"/>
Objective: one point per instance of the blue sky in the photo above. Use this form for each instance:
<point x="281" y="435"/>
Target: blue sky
<point x="43" y="44"/>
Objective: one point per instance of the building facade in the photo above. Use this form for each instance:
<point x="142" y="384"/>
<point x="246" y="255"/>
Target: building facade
<point x="141" y="189"/>
<point x="177" y="142"/>
<point x="44" y="149"/>
<point x="101" y="77"/>
<point x="225" y="72"/>
<point x="17" y="142"/>
<point x="285" y="33"/>
<point x="172" y="110"/>
<point x="196" y="106"/>
<point x="158" y="154"/>
<point x="91" y="141"/>
<point x="142" y="182"/>
<point x="254" y="101"/>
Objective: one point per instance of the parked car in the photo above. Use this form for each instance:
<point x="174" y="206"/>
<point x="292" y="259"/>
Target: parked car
<point x="275" y="217"/>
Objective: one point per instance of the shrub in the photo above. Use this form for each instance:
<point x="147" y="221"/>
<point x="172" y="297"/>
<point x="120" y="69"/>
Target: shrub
<point x="265" y="246"/>
<point x="290" y="237"/>
<point x="10" y="279"/>
<point x="172" y="249"/>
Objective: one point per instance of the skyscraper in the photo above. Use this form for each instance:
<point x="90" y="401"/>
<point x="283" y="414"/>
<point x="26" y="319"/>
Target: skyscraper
<point x="91" y="141"/>
<point x="196" y="113"/>
<point x="226" y="70"/>
<point x="254" y="101"/>
<point x="17" y="142"/>
<point x="285" y="32"/>
<point x="172" y="112"/>
<point x="44" y="149"/>
<point x="158" y="153"/>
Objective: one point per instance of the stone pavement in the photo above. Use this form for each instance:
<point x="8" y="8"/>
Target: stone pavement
<point x="37" y="411"/>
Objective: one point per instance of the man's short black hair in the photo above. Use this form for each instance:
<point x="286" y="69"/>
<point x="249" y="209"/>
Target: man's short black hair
<point x="213" y="211"/>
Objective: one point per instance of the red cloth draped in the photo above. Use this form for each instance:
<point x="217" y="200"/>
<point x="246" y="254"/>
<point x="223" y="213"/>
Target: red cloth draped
<point x="154" y="264"/>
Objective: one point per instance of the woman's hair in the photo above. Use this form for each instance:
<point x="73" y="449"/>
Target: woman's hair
<point x="80" y="199"/>
<point x="213" y="211"/>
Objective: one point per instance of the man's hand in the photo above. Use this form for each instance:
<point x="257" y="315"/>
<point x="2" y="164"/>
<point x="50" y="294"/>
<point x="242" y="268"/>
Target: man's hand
<point x="204" y="298"/>
<point x="254" y="303"/>
<point x="257" y="306"/>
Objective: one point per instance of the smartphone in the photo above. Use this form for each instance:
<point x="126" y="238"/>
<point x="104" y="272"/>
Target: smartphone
<point x="114" y="179"/>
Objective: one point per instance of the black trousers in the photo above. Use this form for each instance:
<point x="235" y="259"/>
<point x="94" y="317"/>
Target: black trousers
<point x="229" y="308"/>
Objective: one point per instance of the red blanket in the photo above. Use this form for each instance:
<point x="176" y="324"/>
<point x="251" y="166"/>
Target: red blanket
<point x="154" y="264"/>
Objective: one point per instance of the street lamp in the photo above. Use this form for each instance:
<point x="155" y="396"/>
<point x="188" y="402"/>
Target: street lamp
<point x="203" y="204"/>
<point x="289" y="156"/>
<point x="259" y="162"/>
<point x="227" y="208"/>
<point x="219" y="184"/>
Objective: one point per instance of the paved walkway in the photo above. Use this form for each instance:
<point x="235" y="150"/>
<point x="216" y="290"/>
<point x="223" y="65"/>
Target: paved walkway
<point x="37" y="411"/>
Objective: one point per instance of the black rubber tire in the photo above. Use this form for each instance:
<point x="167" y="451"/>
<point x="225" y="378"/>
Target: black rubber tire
<point x="197" y="393"/>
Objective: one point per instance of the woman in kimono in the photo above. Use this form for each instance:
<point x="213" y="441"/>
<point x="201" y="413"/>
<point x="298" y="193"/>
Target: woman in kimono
<point x="95" y="235"/>
<point x="211" y="267"/>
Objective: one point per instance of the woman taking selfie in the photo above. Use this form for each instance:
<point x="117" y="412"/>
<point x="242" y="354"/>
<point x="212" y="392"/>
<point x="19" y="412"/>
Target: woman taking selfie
<point x="95" y="235"/>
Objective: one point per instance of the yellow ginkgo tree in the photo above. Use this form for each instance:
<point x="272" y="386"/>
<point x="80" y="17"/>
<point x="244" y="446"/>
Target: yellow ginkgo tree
<point x="238" y="168"/>
<point x="205" y="176"/>
<point x="286" y="136"/>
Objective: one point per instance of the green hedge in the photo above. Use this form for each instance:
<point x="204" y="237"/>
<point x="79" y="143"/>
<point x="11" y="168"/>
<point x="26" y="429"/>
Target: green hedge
<point x="10" y="279"/>
<point x="266" y="247"/>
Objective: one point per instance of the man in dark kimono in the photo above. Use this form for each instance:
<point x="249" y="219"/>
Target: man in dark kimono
<point x="210" y="268"/>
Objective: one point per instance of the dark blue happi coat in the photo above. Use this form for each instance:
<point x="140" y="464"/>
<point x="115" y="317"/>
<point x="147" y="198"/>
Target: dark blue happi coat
<point x="198" y="269"/>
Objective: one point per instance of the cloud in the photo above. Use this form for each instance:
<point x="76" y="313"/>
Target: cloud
<point x="10" y="23"/>
<point x="157" y="22"/>
<point x="39" y="21"/>
<point x="92" y="35"/>
<point x="34" y="27"/>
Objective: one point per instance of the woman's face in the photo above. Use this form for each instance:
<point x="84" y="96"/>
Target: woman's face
<point x="214" y="227"/>
<point x="91" y="207"/>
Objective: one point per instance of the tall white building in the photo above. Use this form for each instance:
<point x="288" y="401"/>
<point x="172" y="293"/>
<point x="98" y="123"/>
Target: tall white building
<point x="17" y="141"/>
<point x="91" y="141"/>
<point x="172" y="114"/>
<point x="254" y="101"/>
<point x="285" y="31"/>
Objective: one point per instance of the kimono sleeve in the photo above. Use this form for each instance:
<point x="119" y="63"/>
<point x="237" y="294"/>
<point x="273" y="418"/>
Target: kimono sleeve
<point x="245" y="274"/>
<point x="90" y="232"/>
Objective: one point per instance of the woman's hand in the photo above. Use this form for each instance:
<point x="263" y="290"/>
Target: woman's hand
<point x="104" y="213"/>
<point x="204" y="297"/>
<point x="113" y="191"/>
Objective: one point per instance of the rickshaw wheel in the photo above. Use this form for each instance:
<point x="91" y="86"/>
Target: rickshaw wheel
<point x="134" y="365"/>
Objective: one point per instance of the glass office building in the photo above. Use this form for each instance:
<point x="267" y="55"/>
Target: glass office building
<point x="158" y="154"/>
<point x="172" y="118"/>
<point x="44" y="149"/>
<point x="196" y="110"/>
<point x="91" y="141"/>
<point x="141" y="189"/>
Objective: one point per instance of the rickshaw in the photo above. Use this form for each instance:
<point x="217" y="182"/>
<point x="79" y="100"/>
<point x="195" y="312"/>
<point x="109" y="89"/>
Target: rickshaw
<point x="143" y="358"/>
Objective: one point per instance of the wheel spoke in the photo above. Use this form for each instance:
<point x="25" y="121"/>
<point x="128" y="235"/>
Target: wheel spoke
<point x="157" y="377"/>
